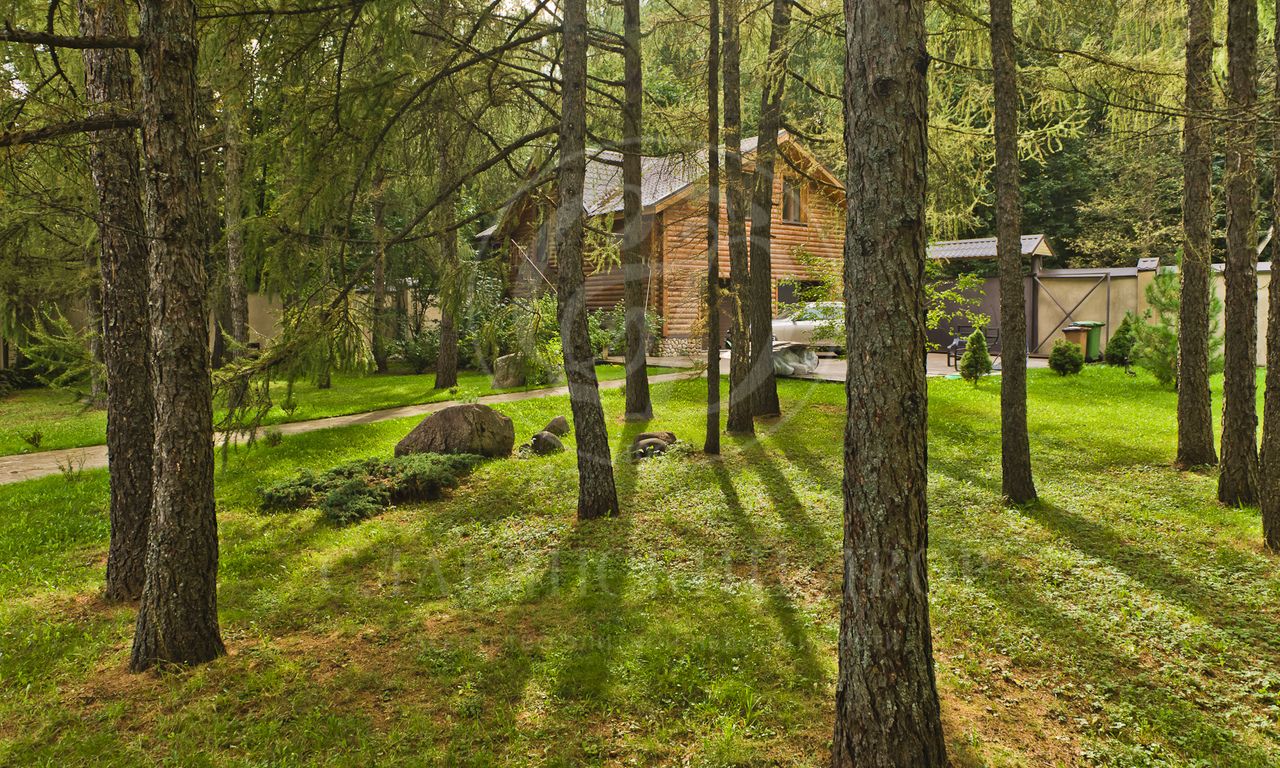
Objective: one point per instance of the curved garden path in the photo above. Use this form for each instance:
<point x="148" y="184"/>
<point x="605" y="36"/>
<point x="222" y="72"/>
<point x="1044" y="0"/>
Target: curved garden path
<point x="29" y="466"/>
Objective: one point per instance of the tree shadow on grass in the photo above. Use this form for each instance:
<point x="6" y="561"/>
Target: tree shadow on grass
<point x="801" y="529"/>
<point x="1179" y="720"/>
<point x="1156" y="572"/>
<point x="780" y="605"/>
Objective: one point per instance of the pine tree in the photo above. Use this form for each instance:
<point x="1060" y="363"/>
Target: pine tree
<point x="597" y="495"/>
<point x="1269" y="475"/>
<point x="1238" y="480"/>
<point x="178" y="612"/>
<point x="741" y="398"/>
<point x="1195" y="417"/>
<point x="634" y="270"/>
<point x="712" y="442"/>
<point x="887" y="711"/>
<point x="1015" y="444"/>
<point x="763" y="383"/>
<point x="126" y="342"/>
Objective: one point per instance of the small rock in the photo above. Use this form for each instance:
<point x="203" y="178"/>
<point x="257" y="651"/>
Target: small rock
<point x="545" y="443"/>
<point x="666" y="437"/>
<point x="559" y="426"/>
<point x="647" y="447"/>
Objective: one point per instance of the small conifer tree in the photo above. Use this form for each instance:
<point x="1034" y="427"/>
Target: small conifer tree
<point x="1120" y="347"/>
<point x="976" y="360"/>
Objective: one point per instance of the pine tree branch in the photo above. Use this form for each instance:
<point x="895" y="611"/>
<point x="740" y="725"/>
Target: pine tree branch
<point x="79" y="42"/>
<point x="88" y="125"/>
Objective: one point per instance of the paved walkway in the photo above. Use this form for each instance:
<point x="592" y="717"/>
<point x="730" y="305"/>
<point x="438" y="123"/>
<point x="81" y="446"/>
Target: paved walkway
<point x="29" y="466"/>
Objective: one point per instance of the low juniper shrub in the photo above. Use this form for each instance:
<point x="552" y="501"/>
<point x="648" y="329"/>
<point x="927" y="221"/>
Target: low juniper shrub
<point x="357" y="490"/>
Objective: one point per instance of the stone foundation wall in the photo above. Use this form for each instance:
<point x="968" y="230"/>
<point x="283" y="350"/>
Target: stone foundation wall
<point x="680" y="347"/>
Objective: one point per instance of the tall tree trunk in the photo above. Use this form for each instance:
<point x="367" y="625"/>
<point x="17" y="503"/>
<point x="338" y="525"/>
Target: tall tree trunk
<point x="764" y="385"/>
<point x="447" y="357"/>
<point x="126" y="342"/>
<point x="1015" y="445"/>
<point x="887" y="710"/>
<point x="237" y="293"/>
<point x="178" y="613"/>
<point x="452" y="293"/>
<point x="1195" y="410"/>
<point x="93" y="311"/>
<point x="741" y="405"/>
<point x="378" y="328"/>
<point x="1238" y="481"/>
<point x="220" y="355"/>
<point x="1269" y="477"/>
<point x="634" y="260"/>
<point x="712" y="443"/>
<point x="597" y="495"/>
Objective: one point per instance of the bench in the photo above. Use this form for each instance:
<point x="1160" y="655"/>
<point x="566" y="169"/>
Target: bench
<point x="955" y="350"/>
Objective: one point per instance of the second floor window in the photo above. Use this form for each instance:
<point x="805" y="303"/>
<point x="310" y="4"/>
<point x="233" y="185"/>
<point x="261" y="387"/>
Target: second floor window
<point x="791" y="209"/>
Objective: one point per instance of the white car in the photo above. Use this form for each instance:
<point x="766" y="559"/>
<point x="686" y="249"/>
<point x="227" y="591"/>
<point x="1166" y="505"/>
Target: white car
<point x="816" y="324"/>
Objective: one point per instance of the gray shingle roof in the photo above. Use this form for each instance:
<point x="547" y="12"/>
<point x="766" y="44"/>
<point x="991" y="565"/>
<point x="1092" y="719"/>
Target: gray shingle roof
<point x="984" y="248"/>
<point x="660" y="178"/>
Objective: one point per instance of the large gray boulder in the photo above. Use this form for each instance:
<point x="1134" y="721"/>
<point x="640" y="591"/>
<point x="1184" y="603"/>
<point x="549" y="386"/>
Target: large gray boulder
<point x="469" y="428"/>
<point x="508" y="372"/>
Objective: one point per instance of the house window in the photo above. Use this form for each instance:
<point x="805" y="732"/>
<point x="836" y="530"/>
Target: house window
<point x="792" y="213"/>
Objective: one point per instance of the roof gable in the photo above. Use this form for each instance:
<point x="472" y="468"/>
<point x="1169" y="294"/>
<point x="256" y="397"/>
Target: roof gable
<point x="663" y="178"/>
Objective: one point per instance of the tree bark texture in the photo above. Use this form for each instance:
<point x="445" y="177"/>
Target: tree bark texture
<point x="178" y="613"/>
<point x="233" y="173"/>
<point x="114" y="162"/>
<point x="378" y="328"/>
<point x="1015" y="445"/>
<point x="763" y="383"/>
<point x="447" y="356"/>
<point x="635" y="271"/>
<point x="452" y="293"/>
<point x="712" y="443"/>
<point x="597" y="496"/>
<point x="741" y="400"/>
<point x="887" y="711"/>
<point x="1238" y="480"/>
<point x="1195" y="411"/>
<point x="1269" y="476"/>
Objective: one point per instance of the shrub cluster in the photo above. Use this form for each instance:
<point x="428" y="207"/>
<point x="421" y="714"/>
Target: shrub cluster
<point x="351" y="492"/>
<point x="13" y="379"/>
<point x="607" y="330"/>
<point x="1066" y="358"/>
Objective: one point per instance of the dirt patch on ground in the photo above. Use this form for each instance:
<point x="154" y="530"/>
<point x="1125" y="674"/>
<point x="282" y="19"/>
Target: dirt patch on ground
<point x="1007" y="713"/>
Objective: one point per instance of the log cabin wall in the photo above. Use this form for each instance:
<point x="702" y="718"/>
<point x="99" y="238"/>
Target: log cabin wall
<point x="532" y="263"/>
<point x="820" y="232"/>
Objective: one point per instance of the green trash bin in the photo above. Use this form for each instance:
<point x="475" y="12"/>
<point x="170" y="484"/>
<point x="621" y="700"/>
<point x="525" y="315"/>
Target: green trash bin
<point x="1093" y="344"/>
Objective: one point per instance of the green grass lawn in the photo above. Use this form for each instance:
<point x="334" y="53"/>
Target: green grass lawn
<point x="64" y="423"/>
<point x="1126" y="620"/>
